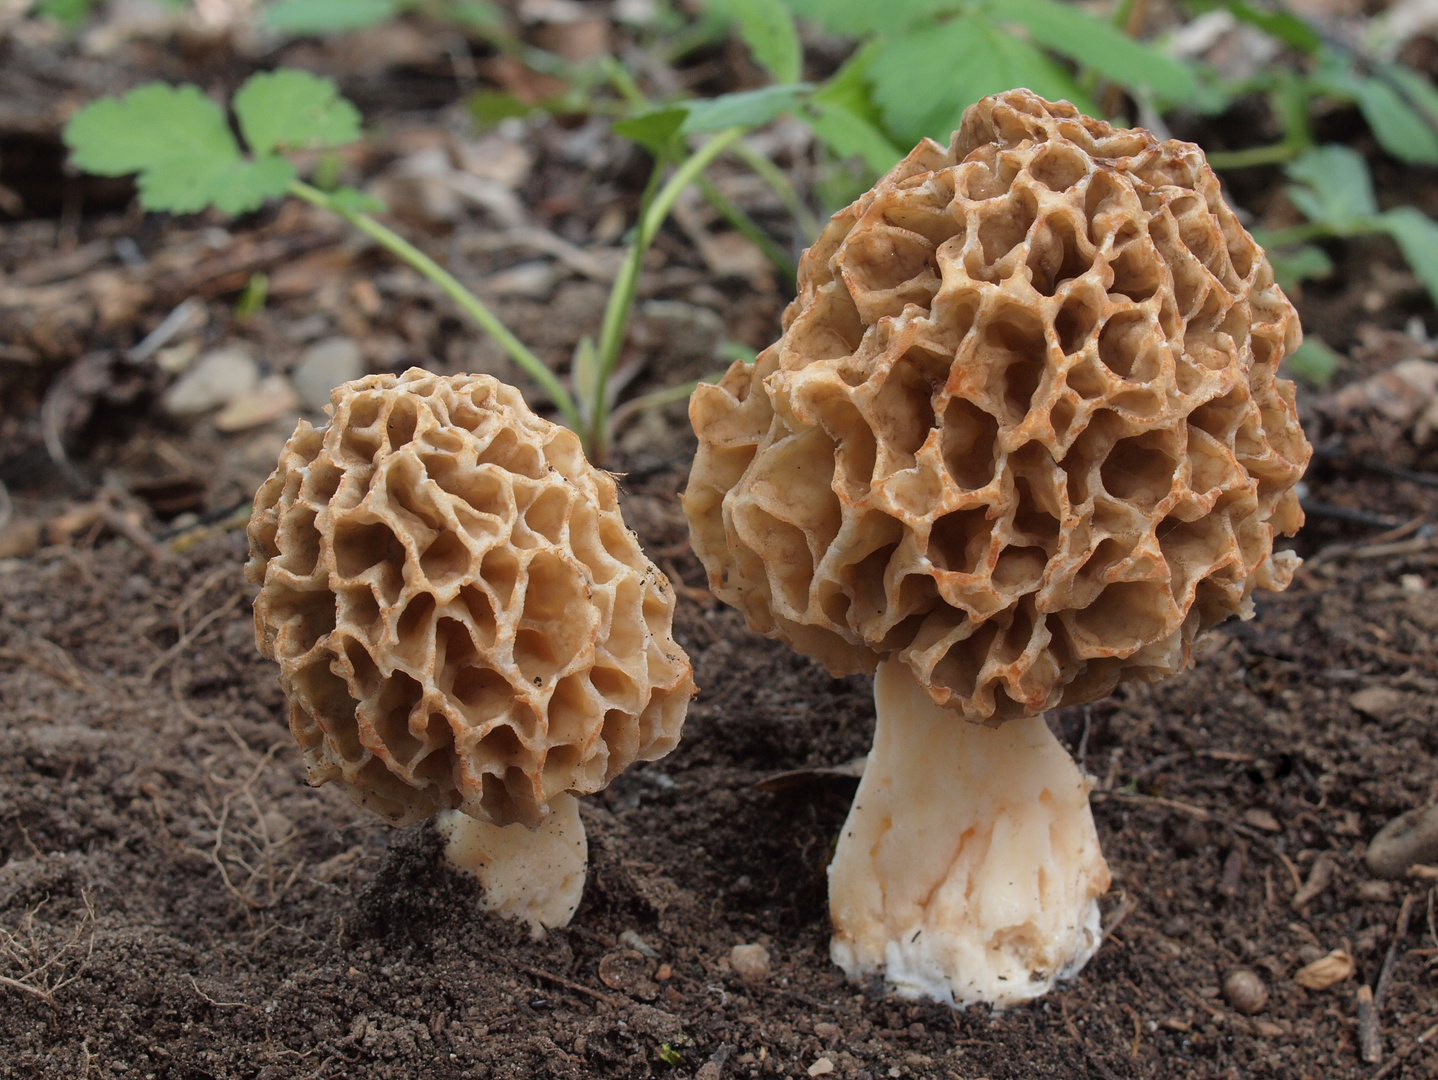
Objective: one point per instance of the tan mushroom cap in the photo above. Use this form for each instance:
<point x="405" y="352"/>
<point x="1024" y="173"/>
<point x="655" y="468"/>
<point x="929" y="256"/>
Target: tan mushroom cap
<point x="460" y="616"/>
<point x="1023" y="429"/>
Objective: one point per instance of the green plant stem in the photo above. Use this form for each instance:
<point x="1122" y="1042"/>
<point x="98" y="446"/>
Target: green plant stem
<point x="397" y="245"/>
<point x="1275" y="154"/>
<point x="621" y="296"/>
<point x="750" y="229"/>
<point x="772" y="175"/>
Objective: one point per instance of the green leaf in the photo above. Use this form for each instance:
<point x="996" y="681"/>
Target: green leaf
<point x="669" y="1055"/>
<point x="150" y="126"/>
<point x="328" y="16"/>
<point x="1298" y="265"/>
<point x="1399" y="128"/>
<point x="767" y="28"/>
<point x="655" y="131"/>
<point x="476" y="14"/>
<point x="924" y="79"/>
<point x="858" y="18"/>
<point x="1417" y="235"/>
<point x="70" y="12"/>
<point x="180" y="144"/>
<point x="491" y="107"/>
<point x="848" y="135"/>
<point x="1313" y="362"/>
<point x="1098" y="44"/>
<point x="356" y="201"/>
<point x="294" y="110"/>
<point x="1289" y="29"/>
<point x="849" y="86"/>
<point x="746" y="108"/>
<point x="1336" y="188"/>
<point x="235" y="186"/>
<point x="1419" y="91"/>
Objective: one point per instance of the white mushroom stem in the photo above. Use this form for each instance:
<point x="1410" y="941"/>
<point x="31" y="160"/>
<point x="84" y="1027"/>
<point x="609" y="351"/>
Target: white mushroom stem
<point x="532" y="874"/>
<point x="969" y="869"/>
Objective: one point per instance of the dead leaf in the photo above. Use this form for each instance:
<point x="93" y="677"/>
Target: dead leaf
<point x="1326" y="971"/>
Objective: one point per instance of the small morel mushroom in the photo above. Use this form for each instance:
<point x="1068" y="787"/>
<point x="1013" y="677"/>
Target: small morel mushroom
<point x="1022" y="439"/>
<point x="464" y="625"/>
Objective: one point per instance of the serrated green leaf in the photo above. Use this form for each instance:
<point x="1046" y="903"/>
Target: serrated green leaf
<point x="294" y="110"/>
<point x="1292" y="267"/>
<point x="150" y="126"/>
<point x="924" y="79"/>
<point x="180" y="144"/>
<point x="768" y="29"/>
<point x="1417" y="235"/>
<point x="857" y="18"/>
<point x="1336" y="188"/>
<point x="1098" y="44"/>
<point x="747" y="108"/>
<point x="328" y="16"/>
<point x="1313" y="362"/>
<point x="847" y="135"/>
<point x="655" y="131"/>
<point x="356" y="201"/>
<point x="235" y="186"/>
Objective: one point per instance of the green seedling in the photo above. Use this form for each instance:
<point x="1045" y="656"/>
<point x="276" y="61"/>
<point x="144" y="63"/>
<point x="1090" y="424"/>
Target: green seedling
<point x="1332" y="188"/>
<point x="180" y="146"/>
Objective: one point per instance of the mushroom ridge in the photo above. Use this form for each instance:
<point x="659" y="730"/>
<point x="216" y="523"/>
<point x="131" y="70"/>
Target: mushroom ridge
<point x="461" y="618"/>
<point x="1023" y="429"/>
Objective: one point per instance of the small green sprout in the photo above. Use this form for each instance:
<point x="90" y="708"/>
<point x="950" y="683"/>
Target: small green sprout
<point x="669" y="1055"/>
<point x="179" y="145"/>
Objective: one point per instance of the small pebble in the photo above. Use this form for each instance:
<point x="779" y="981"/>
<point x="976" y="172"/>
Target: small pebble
<point x="827" y="1031"/>
<point x="325" y="365"/>
<point x="750" y="961"/>
<point x="1244" y="990"/>
<point x="1177" y="926"/>
<point x="217" y="378"/>
<point x="822" y="1067"/>
<point x="1411" y="837"/>
<point x="1376" y="892"/>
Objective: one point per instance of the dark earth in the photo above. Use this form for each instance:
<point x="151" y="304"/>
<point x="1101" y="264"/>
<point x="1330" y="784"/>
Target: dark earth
<point x="176" y="904"/>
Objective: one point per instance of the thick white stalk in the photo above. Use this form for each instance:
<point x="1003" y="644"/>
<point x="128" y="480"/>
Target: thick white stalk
<point x="532" y="874"/>
<point x="969" y="869"/>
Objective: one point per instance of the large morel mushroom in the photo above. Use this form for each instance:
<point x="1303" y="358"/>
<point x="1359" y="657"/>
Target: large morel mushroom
<point x="464" y="625"/>
<point x="1021" y="440"/>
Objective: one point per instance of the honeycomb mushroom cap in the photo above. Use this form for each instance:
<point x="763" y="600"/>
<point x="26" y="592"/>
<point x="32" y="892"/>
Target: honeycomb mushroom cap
<point x="461" y="618"/>
<point x="1024" y="428"/>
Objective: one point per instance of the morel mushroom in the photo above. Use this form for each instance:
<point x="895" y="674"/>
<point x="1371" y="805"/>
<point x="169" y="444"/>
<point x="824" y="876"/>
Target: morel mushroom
<point x="1022" y="439"/>
<point x="464" y="625"/>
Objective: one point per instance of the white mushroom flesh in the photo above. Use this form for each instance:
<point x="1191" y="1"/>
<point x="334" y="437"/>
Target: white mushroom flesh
<point x="969" y="868"/>
<point x="532" y="874"/>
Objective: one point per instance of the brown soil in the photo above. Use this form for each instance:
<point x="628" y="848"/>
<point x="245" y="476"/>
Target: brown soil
<point x="176" y="904"/>
<point x="209" y="915"/>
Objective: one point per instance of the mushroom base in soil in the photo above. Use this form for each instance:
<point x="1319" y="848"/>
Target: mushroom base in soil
<point x="532" y="874"/>
<point x="969" y="868"/>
